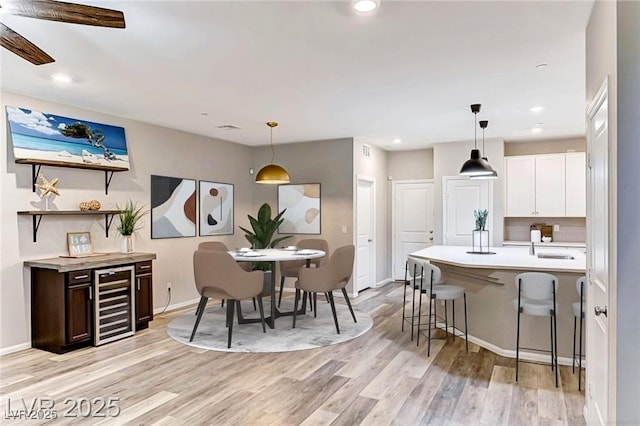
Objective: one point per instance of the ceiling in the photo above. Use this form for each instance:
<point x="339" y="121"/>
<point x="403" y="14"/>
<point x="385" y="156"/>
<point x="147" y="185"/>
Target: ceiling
<point x="409" y="70"/>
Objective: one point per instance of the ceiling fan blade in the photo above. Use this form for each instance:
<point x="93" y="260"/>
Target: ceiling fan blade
<point x="64" y="12"/>
<point x="22" y="47"/>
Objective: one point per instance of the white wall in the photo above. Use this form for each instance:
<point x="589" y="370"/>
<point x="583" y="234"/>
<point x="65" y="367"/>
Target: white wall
<point x="376" y="168"/>
<point x="447" y="160"/>
<point x="152" y="150"/>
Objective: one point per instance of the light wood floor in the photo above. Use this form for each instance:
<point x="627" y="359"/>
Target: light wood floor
<point x="380" y="378"/>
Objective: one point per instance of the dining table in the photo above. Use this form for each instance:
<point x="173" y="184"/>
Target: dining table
<point x="272" y="256"/>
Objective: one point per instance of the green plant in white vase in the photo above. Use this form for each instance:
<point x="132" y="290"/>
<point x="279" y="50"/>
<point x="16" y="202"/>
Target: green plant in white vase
<point x="481" y="219"/>
<point x="130" y="216"/>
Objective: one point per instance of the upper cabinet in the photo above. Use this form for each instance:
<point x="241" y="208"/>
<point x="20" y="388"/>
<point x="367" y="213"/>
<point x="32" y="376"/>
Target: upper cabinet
<point x="549" y="185"/>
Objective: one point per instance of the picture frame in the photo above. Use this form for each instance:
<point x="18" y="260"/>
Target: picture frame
<point x="173" y="207"/>
<point x="79" y="244"/>
<point x="216" y="208"/>
<point x="303" y="208"/>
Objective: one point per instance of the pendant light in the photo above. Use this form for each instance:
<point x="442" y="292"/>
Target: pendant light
<point x="475" y="165"/>
<point x="493" y="174"/>
<point x="272" y="173"/>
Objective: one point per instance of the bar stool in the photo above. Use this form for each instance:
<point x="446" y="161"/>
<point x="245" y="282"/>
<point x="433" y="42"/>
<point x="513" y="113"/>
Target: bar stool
<point x="437" y="290"/>
<point x="578" y="312"/>
<point x="537" y="297"/>
<point x="412" y="278"/>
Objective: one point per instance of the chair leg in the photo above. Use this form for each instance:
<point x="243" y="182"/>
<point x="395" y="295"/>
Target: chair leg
<point x="230" y="305"/>
<point x="453" y="313"/>
<point x="333" y="309"/>
<point x="580" y="358"/>
<point x="555" y="341"/>
<point x="199" y="310"/>
<point x="254" y="304"/>
<point x="264" y="329"/>
<point x="404" y="304"/>
<point x="431" y="302"/>
<point x="315" y="304"/>
<point x="295" y="307"/>
<point x="346" y="297"/>
<point x="551" y="336"/>
<point x="419" y="317"/>
<point x="446" y="321"/>
<point x="573" y="353"/>
<point x="466" y="329"/>
<point x="281" y="290"/>
<point x="222" y="303"/>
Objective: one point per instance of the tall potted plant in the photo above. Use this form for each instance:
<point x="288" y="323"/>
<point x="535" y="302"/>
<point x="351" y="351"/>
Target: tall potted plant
<point x="129" y="216"/>
<point x="264" y="226"/>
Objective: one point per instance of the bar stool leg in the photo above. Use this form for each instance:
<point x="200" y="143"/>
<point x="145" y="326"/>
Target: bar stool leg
<point x="466" y="329"/>
<point x="419" y="318"/>
<point x="453" y="312"/>
<point x="555" y="341"/>
<point x="518" y="331"/>
<point x="551" y="337"/>
<point x="431" y="300"/>
<point x="446" y="321"/>
<point x="580" y="355"/>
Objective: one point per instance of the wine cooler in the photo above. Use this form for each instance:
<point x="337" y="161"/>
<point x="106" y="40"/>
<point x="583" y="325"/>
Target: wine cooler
<point x="114" y="304"/>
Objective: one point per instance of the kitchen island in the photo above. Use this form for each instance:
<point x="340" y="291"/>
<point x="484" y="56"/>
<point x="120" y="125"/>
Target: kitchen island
<point x="489" y="281"/>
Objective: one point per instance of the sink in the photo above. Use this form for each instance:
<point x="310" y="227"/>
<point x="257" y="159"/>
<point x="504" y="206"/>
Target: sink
<point x="555" y="256"/>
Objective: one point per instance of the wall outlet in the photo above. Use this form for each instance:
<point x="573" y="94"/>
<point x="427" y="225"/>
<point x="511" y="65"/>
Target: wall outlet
<point x="556" y="227"/>
<point x="168" y="286"/>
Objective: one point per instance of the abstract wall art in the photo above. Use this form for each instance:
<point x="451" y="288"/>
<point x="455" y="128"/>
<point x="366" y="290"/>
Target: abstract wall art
<point x="53" y="139"/>
<point x="302" y="202"/>
<point x="173" y="207"/>
<point x="216" y="208"/>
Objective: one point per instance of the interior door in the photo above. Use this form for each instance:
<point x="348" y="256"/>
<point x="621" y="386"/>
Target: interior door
<point x="461" y="197"/>
<point x="599" y="351"/>
<point x="413" y="217"/>
<point x="365" y="226"/>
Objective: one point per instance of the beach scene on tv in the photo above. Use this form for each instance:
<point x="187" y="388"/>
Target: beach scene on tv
<point x="51" y="138"/>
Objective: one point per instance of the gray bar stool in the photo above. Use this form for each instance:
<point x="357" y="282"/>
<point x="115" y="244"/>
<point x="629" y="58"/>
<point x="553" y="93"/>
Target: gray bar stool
<point x="578" y="312"/>
<point x="412" y="278"/>
<point x="432" y="285"/>
<point x="537" y="297"/>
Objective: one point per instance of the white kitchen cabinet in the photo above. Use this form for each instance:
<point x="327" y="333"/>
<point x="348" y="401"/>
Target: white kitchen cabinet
<point x="544" y="186"/>
<point x="576" y="172"/>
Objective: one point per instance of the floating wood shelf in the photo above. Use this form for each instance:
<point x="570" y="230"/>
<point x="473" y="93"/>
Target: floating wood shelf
<point x="36" y="164"/>
<point x="37" y="217"/>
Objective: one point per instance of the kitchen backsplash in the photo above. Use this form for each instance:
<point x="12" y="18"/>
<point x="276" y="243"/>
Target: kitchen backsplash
<point x="572" y="230"/>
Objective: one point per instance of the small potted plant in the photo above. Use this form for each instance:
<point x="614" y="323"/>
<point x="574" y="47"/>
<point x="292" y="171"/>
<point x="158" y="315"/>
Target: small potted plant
<point x="129" y="215"/>
<point x="480" y="236"/>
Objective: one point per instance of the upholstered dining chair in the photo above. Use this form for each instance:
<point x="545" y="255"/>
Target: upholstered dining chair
<point x="218" y="275"/>
<point x="291" y="268"/>
<point x="333" y="275"/>
<point x="220" y="246"/>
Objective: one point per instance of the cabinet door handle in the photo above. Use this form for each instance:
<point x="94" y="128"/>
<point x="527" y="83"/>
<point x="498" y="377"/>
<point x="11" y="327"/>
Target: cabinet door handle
<point x="80" y="277"/>
<point x="90" y="293"/>
<point x="145" y="267"/>
<point x="138" y="280"/>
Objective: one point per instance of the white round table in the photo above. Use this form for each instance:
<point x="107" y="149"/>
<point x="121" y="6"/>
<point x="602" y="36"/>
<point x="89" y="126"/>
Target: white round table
<point x="272" y="256"/>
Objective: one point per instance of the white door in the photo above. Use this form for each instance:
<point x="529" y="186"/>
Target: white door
<point x="461" y="197"/>
<point x="365" y="226"/>
<point x="599" y="328"/>
<point x="412" y="215"/>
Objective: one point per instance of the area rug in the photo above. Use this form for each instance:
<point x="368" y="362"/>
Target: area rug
<point x="309" y="333"/>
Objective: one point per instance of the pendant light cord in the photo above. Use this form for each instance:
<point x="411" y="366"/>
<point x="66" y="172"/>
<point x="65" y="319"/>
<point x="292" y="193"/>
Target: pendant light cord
<point x="475" y="131"/>
<point x="273" y="152"/>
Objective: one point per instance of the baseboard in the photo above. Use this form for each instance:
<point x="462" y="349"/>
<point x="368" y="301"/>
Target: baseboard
<point x="524" y="355"/>
<point x="15" y="348"/>
<point x="383" y="282"/>
<point x="176" y="306"/>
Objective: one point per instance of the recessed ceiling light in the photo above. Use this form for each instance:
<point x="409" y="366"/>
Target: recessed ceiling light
<point x="536" y="130"/>
<point x="204" y="114"/>
<point x="365" y="5"/>
<point x="542" y="66"/>
<point x="397" y="141"/>
<point x="61" y="78"/>
<point x="537" y="109"/>
<point x="539" y="124"/>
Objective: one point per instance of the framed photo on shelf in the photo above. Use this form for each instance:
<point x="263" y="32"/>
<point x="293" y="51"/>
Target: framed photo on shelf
<point x="79" y="244"/>
<point x="216" y="208"/>
<point x="302" y="202"/>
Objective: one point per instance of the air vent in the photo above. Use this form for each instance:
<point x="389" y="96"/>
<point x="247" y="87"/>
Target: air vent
<point x="228" y="127"/>
<point x="366" y="151"/>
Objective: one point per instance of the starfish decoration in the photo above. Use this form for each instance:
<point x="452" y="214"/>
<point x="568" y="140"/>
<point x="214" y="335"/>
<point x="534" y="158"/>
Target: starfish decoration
<point x="47" y="187"/>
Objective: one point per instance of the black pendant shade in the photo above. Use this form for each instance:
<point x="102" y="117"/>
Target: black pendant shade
<point x="493" y="174"/>
<point x="475" y="165"/>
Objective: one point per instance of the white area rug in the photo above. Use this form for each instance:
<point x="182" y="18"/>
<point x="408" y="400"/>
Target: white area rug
<point x="309" y="333"/>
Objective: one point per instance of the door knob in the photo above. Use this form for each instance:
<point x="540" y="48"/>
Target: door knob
<point x="431" y="239"/>
<point x="369" y="241"/>
<point x="598" y="310"/>
<point x="431" y="232"/>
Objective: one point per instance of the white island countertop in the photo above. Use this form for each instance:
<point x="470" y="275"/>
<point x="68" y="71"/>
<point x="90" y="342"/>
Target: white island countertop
<point x="512" y="258"/>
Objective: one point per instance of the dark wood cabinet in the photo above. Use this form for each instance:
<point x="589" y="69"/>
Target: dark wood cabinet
<point x="144" y="295"/>
<point x="63" y="298"/>
<point x="79" y="312"/>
